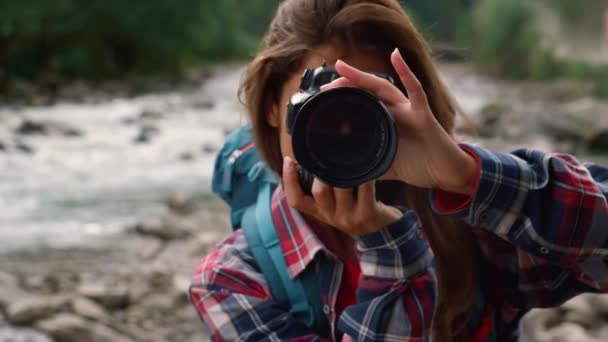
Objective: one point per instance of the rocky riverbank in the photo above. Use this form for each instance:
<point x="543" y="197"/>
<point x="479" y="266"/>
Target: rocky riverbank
<point x="134" y="293"/>
<point x="135" y="287"/>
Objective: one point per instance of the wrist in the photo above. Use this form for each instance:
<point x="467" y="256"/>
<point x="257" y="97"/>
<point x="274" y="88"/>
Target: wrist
<point x="388" y="215"/>
<point x="465" y="177"/>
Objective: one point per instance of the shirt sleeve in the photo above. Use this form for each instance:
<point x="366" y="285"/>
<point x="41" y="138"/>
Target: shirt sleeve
<point x="232" y="297"/>
<point x="551" y="206"/>
<point x="397" y="294"/>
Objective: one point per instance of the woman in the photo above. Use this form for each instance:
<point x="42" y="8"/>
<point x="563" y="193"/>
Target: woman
<point x="508" y="232"/>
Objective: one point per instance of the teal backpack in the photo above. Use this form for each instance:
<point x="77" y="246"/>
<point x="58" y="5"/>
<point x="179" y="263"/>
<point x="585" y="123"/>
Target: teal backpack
<point x="246" y="184"/>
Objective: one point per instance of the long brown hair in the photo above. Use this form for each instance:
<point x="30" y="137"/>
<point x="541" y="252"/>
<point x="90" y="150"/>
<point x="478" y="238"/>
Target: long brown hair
<point x="301" y="25"/>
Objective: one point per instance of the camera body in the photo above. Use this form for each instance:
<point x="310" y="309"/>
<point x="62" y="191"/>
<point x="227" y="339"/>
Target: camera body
<point x="343" y="136"/>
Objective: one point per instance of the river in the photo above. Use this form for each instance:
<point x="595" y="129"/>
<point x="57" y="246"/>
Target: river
<point x="84" y="191"/>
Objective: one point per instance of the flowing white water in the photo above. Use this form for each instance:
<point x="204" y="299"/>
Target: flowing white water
<point x="85" y="190"/>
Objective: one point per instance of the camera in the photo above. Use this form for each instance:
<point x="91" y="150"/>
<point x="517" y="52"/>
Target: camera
<point x="343" y="136"/>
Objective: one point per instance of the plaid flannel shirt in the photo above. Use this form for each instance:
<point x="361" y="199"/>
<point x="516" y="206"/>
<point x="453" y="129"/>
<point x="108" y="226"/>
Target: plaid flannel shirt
<point x="543" y="230"/>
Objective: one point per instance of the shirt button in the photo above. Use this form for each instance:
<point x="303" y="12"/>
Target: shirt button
<point x="483" y="217"/>
<point x="326" y="309"/>
<point x="544" y="250"/>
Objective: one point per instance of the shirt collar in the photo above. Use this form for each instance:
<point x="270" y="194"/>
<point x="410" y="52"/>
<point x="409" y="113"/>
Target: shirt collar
<point x="298" y="241"/>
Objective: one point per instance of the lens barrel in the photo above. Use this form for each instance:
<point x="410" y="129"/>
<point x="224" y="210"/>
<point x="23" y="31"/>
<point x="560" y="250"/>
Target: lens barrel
<point x="344" y="136"/>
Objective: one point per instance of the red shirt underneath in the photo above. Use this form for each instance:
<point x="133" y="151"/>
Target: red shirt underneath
<point x="347" y="295"/>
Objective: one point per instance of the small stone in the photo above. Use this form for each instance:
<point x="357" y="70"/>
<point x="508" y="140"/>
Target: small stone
<point x="177" y="227"/>
<point x="202" y="103"/>
<point x="598" y="142"/>
<point x="89" y="309"/>
<point x="28" y="310"/>
<point x="8" y="279"/>
<point x="182" y="203"/>
<point x="23" y="147"/>
<point x="128" y="121"/>
<point x="181" y="284"/>
<point x="51" y="128"/>
<point x="47" y="283"/>
<point x="10" y="293"/>
<point x="158" y="277"/>
<point x="148" y="114"/>
<point x="153" y="308"/>
<point x="111" y="297"/>
<point x="169" y="228"/>
<point x="561" y="130"/>
<point x="12" y="334"/>
<point x="149" y="227"/>
<point x="146" y="133"/>
<point x="66" y="327"/>
<point x="600" y="303"/>
<point x="76" y="91"/>
<point x="209" y="148"/>
<point x="566" y="332"/>
<point x="186" y="156"/>
<point x="490" y="116"/>
<point x="149" y="248"/>
<point x="538" y="321"/>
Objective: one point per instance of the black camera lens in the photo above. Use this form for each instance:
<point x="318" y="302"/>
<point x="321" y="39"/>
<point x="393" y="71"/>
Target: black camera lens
<point x="344" y="136"/>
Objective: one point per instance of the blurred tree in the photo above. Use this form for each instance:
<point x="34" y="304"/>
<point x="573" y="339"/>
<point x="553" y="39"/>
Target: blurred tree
<point x="106" y="38"/>
<point x="111" y="38"/>
<point x="444" y="20"/>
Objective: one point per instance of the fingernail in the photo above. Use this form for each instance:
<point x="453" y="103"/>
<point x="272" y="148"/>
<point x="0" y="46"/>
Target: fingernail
<point x="287" y="164"/>
<point x="343" y="63"/>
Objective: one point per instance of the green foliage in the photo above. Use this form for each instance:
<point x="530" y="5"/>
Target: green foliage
<point x="578" y="14"/>
<point x="111" y="38"/>
<point x="601" y="89"/>
<point x="442" y="20"/>
<point x="543" y="65"/>
<point x="107" y="38"/>
<point x="506" y="41"/>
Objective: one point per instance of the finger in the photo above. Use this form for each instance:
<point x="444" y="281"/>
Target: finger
<point x="323" y="195"/>
<point x="412" y="85"/>
<point x="380" y="87"/>
<point x="366" y="199"/>
<point x="340" y="82"/>
<point x="295" y="195"/>
<point x="345" y="201"/>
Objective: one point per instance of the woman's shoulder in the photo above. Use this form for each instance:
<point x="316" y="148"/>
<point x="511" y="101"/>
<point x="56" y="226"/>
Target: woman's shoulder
<point x="229" y="261"/>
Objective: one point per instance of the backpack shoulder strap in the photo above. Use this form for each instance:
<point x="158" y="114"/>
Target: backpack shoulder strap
<point x="301" y="296"/>
<point x="257" y="243"/>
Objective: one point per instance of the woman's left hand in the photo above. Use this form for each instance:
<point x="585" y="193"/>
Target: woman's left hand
<point x="355" y="213"/>
<point x="427" y="156"/>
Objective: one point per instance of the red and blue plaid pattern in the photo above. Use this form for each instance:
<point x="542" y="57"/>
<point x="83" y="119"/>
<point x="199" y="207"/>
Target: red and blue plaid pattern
<point x="543" y="229"/>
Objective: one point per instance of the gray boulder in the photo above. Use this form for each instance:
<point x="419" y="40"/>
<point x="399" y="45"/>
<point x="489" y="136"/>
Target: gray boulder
<point x="51" y="128"/>
<point x="598" y="142"/>
<point x="169" y="227"/>
<point x="66" y="327"/>
<point x="145" y="134"/>
<point x="14" y="334"/>
<point x="182" y="203"/>
<point x="30" y="309"/>
<point x="112" y="297"/>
